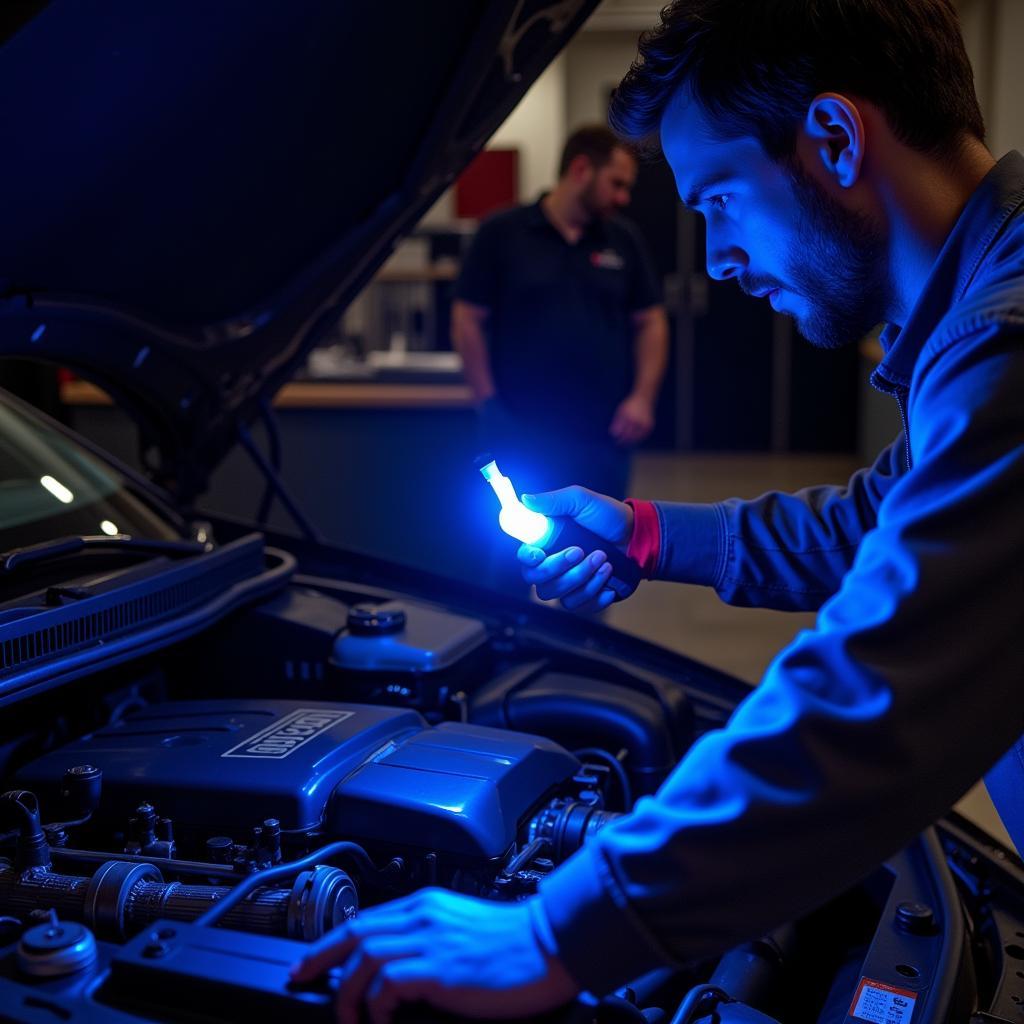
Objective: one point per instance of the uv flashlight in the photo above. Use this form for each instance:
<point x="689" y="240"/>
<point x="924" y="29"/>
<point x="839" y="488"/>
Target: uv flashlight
<point x="554" y="533"/>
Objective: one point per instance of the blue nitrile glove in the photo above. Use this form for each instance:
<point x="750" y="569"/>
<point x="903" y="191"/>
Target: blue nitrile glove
<point x="575" y="577"/>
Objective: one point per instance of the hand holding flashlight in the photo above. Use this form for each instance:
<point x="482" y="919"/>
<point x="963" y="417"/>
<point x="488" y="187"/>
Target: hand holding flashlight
<point x="573" y="542"/>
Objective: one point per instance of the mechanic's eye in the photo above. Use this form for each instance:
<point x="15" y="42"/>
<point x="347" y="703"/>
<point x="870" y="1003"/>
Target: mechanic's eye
<point x="718" y="202"/>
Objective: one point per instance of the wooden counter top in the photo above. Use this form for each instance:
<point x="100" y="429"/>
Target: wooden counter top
<point x="323" y="395"/>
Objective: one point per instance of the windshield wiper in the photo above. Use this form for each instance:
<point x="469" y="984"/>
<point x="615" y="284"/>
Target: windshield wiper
<point x="61" y="546"/>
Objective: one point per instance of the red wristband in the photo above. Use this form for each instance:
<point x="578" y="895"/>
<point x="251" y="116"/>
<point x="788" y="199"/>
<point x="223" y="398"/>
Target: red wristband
<point x="645" y="541"/>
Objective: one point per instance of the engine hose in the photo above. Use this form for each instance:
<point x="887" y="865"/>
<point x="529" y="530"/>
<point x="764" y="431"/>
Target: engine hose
<point x="340" y="848"/>
<point x="749" y="974"/>
<point x="33" y="848"/>
<point x="172" y="866"/>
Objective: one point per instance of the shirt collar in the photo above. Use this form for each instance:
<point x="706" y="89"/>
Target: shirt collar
<point x="593" y="233"/>
<point x="993" y="203"/>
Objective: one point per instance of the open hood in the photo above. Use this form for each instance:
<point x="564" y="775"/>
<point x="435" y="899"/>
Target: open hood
<point x="194" y="190"/>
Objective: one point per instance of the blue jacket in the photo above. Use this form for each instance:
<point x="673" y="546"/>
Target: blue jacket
<point x="911" y="684"/>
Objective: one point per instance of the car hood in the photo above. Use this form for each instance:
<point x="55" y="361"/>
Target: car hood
<point x="195" y="190"/>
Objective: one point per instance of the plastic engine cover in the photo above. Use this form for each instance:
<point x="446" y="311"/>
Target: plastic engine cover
<point x="222" y="766"/>
<point x="225" y="764"/>
<point x="462" y="789"/>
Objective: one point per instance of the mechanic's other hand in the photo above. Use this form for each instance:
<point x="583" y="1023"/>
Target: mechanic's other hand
<point x="456" y="953"/>
<point x="633" y="420"/>
<point x="575" y="577"/>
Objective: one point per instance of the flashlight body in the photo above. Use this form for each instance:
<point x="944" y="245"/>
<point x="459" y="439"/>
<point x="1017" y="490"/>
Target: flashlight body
<point x="567" y="533"/>
<point x="555" y="533"/>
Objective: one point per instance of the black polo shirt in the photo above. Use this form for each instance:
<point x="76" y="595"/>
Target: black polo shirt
<point x="560" y="331"/>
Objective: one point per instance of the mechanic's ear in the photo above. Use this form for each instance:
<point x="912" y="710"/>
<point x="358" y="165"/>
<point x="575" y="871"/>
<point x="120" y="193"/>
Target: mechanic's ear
<point x="835" y="127"/>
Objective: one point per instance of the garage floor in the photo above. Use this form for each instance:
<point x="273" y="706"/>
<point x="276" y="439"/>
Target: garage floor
<point x="693" y="620"/>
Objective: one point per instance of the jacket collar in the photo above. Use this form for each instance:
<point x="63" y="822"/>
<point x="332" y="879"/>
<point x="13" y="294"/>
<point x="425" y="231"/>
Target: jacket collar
<point x="994" y="202"/>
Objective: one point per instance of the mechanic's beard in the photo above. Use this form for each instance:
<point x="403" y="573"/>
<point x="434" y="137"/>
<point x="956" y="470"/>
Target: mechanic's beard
<point x="590" y="205"/>
<point x="842" y="268"/>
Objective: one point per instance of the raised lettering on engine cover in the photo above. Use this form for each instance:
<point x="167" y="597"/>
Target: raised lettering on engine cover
<point x="284" y="737"/>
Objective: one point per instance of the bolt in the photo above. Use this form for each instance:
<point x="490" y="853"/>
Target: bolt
<point x="917" y="918"/>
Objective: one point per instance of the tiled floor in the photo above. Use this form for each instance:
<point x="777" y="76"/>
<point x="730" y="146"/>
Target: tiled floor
<point x="693" y="620"/>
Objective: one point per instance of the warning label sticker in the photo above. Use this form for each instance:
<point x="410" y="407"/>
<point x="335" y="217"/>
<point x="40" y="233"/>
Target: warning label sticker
<point x="879" y="1003"/>
<point x="287" y="734"/>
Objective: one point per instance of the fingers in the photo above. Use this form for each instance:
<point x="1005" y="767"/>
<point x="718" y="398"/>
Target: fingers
<point x="588" y="593"/>
<point x="619" y="428"/>
<point x="333" y="949"/>
<point x="568" y="501"/>
<point x="640" y="431"/>
<point x="552" y="566"/>
<point x="634" y="432"/>
<point x="558" y="586"/>
<point x="372" y="959"/>
<point x="530" y="556"/>
<point x="336" y="946"/>
<point x="398" y="981"/>
<point x="627" y="430"/>
<point x="563" y="576"/>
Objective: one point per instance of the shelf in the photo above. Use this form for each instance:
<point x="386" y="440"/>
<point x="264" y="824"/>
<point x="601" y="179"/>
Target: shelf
<point x="322" y="395"/>
<point x="428" y="275"/>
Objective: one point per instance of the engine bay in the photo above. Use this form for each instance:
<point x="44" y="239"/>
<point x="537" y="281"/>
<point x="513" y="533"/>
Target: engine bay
<point x="235" y="791"/>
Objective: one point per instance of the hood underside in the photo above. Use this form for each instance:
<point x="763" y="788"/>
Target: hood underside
<point x="198" y="189"/>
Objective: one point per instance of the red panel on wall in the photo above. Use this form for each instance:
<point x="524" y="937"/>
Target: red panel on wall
<point x="489" y="183"/>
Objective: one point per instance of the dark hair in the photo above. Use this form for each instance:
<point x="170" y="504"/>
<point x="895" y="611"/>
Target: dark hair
<point x="596" y="142"/>
<point x="755" y="67"/>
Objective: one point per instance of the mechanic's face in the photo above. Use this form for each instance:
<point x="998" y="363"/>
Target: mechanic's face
<point x="610" y="186"/>
<point x="778" y="231"/>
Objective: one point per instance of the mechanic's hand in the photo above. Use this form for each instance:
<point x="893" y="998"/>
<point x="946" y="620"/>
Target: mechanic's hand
<point x="456" y="953"/>
<point x="633" y="420"/>
<point x="577" y="578"/>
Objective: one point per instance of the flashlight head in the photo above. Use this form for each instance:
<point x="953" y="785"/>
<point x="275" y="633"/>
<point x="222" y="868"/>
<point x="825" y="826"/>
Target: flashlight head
<point x="487" y="465"/>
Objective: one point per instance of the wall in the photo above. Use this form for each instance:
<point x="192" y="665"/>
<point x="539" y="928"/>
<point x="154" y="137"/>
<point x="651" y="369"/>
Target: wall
<point x="596" y="62"/>
<point x="537" y="128"/>
<point x="994" y="33"/>
<point x="1006" y="116"/>
<point x="572" y="91"/>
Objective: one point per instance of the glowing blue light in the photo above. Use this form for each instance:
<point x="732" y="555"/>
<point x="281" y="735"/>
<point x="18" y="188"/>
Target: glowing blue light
<point x="515" y="518"/>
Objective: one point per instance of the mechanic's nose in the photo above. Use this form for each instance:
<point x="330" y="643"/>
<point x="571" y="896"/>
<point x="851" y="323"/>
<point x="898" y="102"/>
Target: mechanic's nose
<point x="724" y="259"/>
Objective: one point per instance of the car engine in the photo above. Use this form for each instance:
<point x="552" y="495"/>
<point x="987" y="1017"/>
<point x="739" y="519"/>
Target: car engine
<point x="237" y="786"/>
<point x="324" y="748"/>
<point x="250" y="755"/>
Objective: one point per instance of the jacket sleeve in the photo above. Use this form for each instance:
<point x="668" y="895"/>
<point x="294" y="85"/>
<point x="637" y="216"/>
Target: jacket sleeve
<point x="863" y="731"/>
<point x="783" y="551"/>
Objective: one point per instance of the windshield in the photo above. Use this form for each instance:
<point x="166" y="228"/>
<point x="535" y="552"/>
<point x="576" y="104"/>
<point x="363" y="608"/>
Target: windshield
<point x="50" y="487"/>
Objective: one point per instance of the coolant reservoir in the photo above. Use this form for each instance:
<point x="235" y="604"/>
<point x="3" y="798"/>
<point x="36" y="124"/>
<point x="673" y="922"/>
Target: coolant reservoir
<point x="402" y="636"/>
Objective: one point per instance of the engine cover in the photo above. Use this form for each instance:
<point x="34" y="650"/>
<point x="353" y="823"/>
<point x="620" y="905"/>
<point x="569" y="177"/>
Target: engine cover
<point x="365" y="772"/>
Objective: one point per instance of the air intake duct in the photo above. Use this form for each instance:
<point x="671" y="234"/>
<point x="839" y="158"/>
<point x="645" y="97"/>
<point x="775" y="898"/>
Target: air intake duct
<point x="123" y="897"/>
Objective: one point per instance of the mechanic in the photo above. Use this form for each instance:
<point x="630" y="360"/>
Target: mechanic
<point x="834" y="148"/>
<point x="563" y="290"/>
